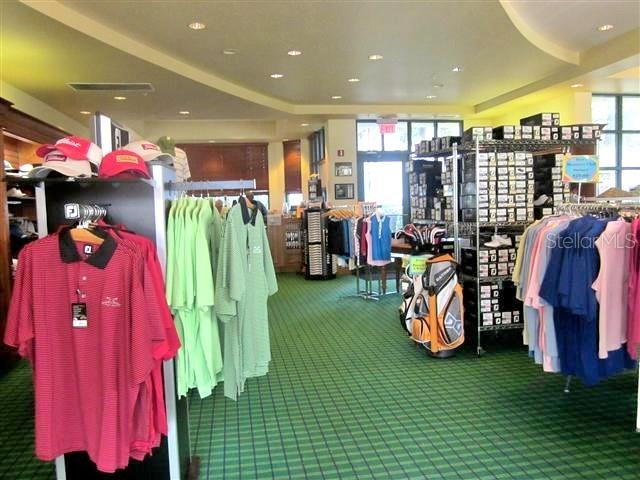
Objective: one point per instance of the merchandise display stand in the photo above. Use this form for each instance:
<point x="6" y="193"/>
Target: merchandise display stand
<point x="319" y="264"/>
<point x="474" y="229"/>
<point x="141" y="205"/>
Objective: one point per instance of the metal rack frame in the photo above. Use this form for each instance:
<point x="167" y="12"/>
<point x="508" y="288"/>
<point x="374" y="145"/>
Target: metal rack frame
<point x="473" y="229"/>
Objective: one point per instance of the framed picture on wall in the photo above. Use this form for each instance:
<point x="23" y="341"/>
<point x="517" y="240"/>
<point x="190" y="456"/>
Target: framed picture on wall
<point x="344" y="191"/>
<point x="344" y="169"/>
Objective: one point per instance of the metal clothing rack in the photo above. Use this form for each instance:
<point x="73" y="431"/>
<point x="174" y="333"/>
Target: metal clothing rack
<point x="205" y="185"/>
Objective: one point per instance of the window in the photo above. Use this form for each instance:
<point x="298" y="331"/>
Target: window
<point x="406" y="135"/>
<point x="294" y="199"/>
<point x="449" y="129"/>
<point x="422" y="131"/>
<point x="397" y="141"/>
<point x="369" y="137"/>
<point x="619" y="148"/>
<point x="316" y="146"/>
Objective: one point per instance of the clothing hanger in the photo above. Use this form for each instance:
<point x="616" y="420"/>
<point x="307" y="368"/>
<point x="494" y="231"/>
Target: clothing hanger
<point x="82" y="232"/>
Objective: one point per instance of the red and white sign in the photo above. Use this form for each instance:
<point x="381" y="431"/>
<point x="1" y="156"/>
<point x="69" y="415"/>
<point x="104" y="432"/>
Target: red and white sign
<point x="387" y="128"/>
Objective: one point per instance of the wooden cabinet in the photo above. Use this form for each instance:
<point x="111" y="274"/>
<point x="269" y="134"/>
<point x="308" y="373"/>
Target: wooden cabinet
<point x="285" y="241"/>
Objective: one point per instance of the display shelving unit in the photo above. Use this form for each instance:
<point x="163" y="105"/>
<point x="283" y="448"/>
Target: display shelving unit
<point x="474" y="230"/>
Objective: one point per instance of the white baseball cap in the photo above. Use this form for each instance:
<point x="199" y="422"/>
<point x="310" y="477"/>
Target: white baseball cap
<point x="150" y="152"/>
<point x="56" y="161"/>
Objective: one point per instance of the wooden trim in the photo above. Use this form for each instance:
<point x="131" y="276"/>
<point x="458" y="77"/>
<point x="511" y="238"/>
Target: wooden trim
<point x="26" y="126"/>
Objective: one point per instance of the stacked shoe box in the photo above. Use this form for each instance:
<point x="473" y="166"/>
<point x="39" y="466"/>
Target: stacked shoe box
<point x="489" y="262"/>
<point x="588" y="131"/>
<point x="425" y="188"/>
<point x="526" y="132"/>
<point x="550" y="190"/>
<point x="505" y="190"/>
<point x="446" y="201"/>
<point x="498" y="304"/>
<point x="477" y="133"/>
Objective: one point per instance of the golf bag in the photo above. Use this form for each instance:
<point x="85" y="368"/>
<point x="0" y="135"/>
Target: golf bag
<point x="432" y="308"/>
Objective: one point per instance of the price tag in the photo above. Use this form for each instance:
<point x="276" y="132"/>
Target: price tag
<point x="417" y="265"/>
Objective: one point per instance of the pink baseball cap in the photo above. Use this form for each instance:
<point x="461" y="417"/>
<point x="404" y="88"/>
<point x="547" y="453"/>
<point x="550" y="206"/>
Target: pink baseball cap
<point x="57" y="161"/>
<point x="123" y="163"/>
<point x="75" y="148"/>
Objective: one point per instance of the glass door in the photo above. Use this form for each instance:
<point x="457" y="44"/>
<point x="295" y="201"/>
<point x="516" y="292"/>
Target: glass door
<point x="383" y="183"/>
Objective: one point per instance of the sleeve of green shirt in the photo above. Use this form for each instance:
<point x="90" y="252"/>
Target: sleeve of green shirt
<point x="178" y="285"/>
<point x="204" y="292"/>
<point x="216" y="240"/>
<point x="225" y="305"/>
<point x="269" y="271"/>
<point x="170" y="270"/>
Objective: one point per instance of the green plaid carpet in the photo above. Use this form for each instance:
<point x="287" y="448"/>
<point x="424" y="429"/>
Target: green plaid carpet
<point x="349" y="397"/>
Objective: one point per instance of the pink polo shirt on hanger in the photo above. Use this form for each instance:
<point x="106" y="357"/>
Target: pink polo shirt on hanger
<point x="612" y="286"/>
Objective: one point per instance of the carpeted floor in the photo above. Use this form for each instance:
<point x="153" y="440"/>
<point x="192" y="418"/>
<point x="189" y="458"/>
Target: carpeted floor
<point x="17" y="459"/>
<point x="348" y="396"/>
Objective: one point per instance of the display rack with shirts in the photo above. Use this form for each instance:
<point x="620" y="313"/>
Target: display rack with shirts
<point x="469" y="169"/>
<point x="219" y="276"/>
<point x="140" y="205"/>
<point x="578" y="278"/>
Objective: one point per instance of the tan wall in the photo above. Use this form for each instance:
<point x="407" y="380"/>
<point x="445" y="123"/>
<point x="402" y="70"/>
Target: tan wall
<point x="275" y="153"/>
<point x="340" y="135"/>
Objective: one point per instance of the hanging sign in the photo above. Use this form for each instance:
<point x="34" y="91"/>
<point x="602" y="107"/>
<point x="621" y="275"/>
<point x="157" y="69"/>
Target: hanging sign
<point x="387" y="128"/>
<point x="581" y="169"/>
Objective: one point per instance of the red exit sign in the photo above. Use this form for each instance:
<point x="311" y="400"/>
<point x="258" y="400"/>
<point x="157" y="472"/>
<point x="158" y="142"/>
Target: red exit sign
<point x="387" y="128"/>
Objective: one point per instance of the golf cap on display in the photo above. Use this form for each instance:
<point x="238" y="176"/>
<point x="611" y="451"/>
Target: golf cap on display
<point x="57" y="161"/>
<point x="75" y="148"/>
<point x="150" y="152"/>
<point x="167" y="145"/>
<point x="123" y="163"/>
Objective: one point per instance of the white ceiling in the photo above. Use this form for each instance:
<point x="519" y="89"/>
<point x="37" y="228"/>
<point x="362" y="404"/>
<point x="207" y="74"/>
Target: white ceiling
<point x="421" y="41"/>
<point x="573" y="24"/>
<point x="43" y="49"/>
<point x="37" y="58"/>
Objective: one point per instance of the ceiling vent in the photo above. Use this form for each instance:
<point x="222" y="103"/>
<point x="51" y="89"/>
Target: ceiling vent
<point x="111" y="87"/>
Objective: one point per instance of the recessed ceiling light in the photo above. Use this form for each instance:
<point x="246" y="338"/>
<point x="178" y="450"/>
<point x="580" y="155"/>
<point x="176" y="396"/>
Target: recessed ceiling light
<point x="85" y="112"/>
<point x="304" y="124"/>
<point x="294" y="53"/>
<point x="456" y="69"/>
<point x="353" y="80"/>
<point x="197" y="26"/>
<point x="429" y="97"/>
<point x="336" y="97"/>
<point x="605" y="28"/>
<point x="184" y="112"/>
<point x="375" y="56"/>
<point x="577" y="85"/>
<point x="229" y="51"/>
<point x="119" y="98"/>
<point x="438" y="85"/>
<point x="276" y="75"/>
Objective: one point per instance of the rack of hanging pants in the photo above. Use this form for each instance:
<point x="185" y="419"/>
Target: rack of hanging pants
<point x="577" y="275"/>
